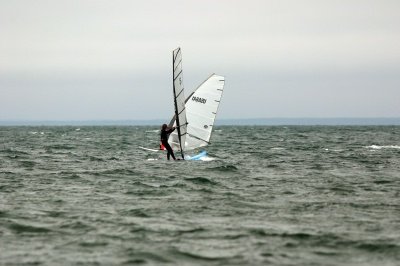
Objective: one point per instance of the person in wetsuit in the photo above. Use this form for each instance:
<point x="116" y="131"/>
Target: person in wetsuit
<point x="165" y="131"/>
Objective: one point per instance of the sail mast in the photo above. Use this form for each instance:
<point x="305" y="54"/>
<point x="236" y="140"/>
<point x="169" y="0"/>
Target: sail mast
<point x="179" y="99"/>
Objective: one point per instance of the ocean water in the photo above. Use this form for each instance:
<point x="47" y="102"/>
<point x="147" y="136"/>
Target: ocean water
<point x="295" y="195"/>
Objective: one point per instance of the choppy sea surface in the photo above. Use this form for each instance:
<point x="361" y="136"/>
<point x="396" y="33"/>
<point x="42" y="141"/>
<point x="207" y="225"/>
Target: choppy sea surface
<point x="295" y="195"/>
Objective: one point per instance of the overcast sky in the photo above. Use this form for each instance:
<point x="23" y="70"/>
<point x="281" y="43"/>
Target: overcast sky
<point x="95" y="60"/>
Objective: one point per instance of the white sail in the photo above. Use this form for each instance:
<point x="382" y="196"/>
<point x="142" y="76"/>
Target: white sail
<point x="177" y="138"/>
<point x="201" y="110"/>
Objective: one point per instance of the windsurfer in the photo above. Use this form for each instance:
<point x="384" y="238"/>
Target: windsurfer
<point x="165" y="131"/>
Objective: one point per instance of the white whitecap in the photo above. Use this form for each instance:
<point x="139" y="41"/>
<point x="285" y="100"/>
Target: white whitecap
<point x="207" y="159"/>
<point x="378" y="147"/>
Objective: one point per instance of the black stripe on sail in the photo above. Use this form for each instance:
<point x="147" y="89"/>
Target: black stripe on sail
<point x="193" y="136"/>
<point x="177" y="96"/>
<point x="188" y="98"/>
<point x="175" y="77"/>
<point x="181" y="113"/>
<point x="185" y="124"/>
<point x="177" y="65"/>
<point x="178" y="50"/>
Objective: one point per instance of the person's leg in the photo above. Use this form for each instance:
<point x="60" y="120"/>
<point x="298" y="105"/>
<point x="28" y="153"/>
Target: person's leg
<point x="169" y="150"/>
<point x="172" y="154"/>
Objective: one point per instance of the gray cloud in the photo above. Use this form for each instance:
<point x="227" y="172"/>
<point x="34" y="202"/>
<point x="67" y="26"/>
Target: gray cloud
<point x="112" y="59"/>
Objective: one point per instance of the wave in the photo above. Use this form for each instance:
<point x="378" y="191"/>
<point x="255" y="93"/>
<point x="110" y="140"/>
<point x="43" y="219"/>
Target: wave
<point x="300" y="236"/>
<point x="191" y="230"/>
<point x="330" y="240"/>
<point x="14" y="152"/>
<point x="379" y="182"/>
<point x="56" y="214"/>
<point x="118" y="171"/>
<point x="225" y="168"/>
<point x="201" y="257"/>
<point x="60" y="147"/>
<point x="379" y="247"/>
<point x="23" y="228"/>
<point x="72" y="176"/>
<point x="143" y="257"/>
<point x="378" y="147"/>
<point x="96" y="159"/>
<point x="76" y="226"/>
<point x="137" y="213"/>
<point x="201" y="180"/>
<point x="93" y="244"/>
<point x="28" y="164"/>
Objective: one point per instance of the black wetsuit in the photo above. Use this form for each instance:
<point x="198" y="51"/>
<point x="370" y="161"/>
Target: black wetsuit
<point x="164" y="141"/>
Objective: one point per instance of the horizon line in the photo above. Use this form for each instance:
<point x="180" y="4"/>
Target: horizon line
<point x="218" y="122"/>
